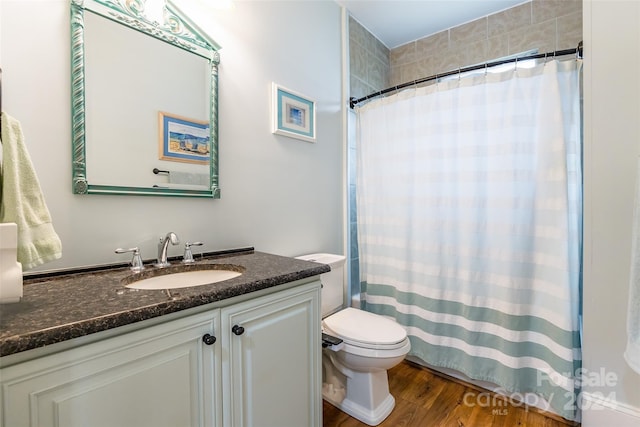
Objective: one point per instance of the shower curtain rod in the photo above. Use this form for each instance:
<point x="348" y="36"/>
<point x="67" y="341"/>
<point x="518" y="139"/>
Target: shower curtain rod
<point x="577" y="51"/>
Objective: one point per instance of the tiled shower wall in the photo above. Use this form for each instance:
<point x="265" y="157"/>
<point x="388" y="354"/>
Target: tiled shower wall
<point x="369" y="72"/>
<point x="545" y="25"/>
<point x="368" y="61"/>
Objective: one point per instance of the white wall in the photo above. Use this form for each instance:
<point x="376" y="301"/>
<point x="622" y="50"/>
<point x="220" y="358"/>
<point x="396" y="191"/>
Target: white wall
<point x="279" y="194"/>
<point x="612" y="146"/>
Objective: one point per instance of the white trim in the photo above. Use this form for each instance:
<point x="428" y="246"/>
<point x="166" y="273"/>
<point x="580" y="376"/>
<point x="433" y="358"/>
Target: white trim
<point x="600" y="410"/>
<point x="346" y="223"/>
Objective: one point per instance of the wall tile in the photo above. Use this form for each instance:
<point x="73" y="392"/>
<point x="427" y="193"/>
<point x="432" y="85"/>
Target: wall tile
<point x="403" y="54"/>
<point x="370" y="42"/>
<point x="497" y="47"/>
<point x="509" y="20"/>
<point x="448" y="61"/>
<point x="432" y="45"/>
<point x="545" y="25"/>
<point x="353" y="214"/>
<point x="409" y="72"/>
<point x="543" y="10"/>
<point x="381" y="51"/>
<point x="474" y="30"/>
<point x="377" y="74"/>
<point x="424" y="68"/>
<point x="357" y="33"/>
<point x="395" y="76"/>
<point x="359" y="88"/>
<point x="355" y="277"/>
<point x="359" y="62"/>
<point x="361" y="35"/>
<point x="569" y="31"/>
<point x="354" y="253"/>
<point x="352" y="56"/>
<point x="541" y="36"/>
<point x="352" y="166"/>
<point x="558" y="26"/>
<point x="473" y="52"/>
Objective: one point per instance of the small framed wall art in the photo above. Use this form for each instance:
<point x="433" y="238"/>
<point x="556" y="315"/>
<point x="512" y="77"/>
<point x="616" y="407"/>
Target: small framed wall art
<point x="182" y="139"/>
<point x="294" y="115"/>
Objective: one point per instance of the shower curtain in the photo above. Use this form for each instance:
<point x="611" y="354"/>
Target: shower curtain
<point x="468" y="198"/>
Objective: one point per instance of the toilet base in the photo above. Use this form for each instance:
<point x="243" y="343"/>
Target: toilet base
<point x="363" y="395"/>
<point x="372" y="417"/>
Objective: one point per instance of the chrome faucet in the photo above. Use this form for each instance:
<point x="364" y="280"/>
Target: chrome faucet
<point x="172" y="238"/>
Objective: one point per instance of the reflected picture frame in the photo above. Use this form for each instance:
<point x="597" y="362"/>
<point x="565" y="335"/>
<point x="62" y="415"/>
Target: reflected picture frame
<point x="294" y="114"/>
<point x="181" y="139"/>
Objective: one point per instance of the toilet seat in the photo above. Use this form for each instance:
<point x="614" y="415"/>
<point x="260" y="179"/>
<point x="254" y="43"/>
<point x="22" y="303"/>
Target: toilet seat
<point x="402" y="349"/>
<point x="364" y="330"/>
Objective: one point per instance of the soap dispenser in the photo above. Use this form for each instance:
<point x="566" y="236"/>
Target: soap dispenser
<point x="10" y="268"/>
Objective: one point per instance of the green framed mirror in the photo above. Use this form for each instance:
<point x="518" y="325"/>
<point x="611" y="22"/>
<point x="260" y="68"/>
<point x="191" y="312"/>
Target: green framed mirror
<point x="144" y="88"/>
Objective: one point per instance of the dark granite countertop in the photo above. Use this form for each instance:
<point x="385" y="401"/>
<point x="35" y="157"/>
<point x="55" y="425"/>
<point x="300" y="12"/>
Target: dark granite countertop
<point x="62" y="307"/>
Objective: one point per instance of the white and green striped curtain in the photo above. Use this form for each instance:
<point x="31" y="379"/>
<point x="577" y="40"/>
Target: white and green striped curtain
<point x="469" y="220"/>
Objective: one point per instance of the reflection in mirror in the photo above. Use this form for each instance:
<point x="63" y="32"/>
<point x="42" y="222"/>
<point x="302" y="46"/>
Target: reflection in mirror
<point x="144" y="102"/>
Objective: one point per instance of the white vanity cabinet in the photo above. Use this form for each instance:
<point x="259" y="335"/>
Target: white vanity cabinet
<point x="157" y="376"/>
<point x="169" y="375"/>
<point x="271" y="361"/>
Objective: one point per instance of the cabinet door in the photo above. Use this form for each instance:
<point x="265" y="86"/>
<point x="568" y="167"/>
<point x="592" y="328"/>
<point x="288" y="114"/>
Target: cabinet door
<point x="158" y="376"/>
<point x="271" y="367"/>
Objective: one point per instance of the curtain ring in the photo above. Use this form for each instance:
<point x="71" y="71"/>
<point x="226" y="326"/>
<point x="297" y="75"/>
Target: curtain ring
<point x="459" y="75"/>
<point x="486" y="68"/>
<point x="545" y="57"/>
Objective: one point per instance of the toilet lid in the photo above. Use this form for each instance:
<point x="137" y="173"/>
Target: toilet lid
<point x="361" y="327"/>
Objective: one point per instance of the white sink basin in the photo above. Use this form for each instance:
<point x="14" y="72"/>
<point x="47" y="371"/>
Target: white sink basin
<point x="184" y="279"/>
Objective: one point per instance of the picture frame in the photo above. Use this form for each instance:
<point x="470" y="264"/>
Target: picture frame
<point x="294" y="114"/>
<point x="183" y="140"/>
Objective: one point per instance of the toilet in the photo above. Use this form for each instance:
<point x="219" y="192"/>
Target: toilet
<point x="354" y="371"/>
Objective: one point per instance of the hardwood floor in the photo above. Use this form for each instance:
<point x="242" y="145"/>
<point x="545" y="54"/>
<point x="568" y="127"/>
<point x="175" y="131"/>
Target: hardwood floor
<point x="425" y="398"/>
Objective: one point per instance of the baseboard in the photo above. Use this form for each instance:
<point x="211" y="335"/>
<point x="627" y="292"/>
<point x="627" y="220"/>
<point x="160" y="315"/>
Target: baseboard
<point x="598" y="411"/>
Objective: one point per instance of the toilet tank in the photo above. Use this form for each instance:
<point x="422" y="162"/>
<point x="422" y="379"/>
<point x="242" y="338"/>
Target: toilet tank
<point x="332" y="282"/>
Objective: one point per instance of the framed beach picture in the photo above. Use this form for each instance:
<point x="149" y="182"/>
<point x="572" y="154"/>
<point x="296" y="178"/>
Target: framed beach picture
<point x="294" y="115"/>
<point x="183" y="140"/>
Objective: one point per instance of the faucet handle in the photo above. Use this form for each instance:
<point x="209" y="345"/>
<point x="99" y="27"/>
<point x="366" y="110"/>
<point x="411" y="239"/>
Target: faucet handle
<point x="188" y="255"/>
<point x="136" y="262"/>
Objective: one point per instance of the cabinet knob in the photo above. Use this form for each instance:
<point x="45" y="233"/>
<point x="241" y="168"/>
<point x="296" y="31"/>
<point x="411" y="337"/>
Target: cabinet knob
<point x="208" y="339"/>
<point x="238" y="330"/>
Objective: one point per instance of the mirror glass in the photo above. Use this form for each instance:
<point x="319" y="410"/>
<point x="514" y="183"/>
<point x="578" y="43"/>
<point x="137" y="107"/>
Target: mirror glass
<point x="144" y="100"/>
